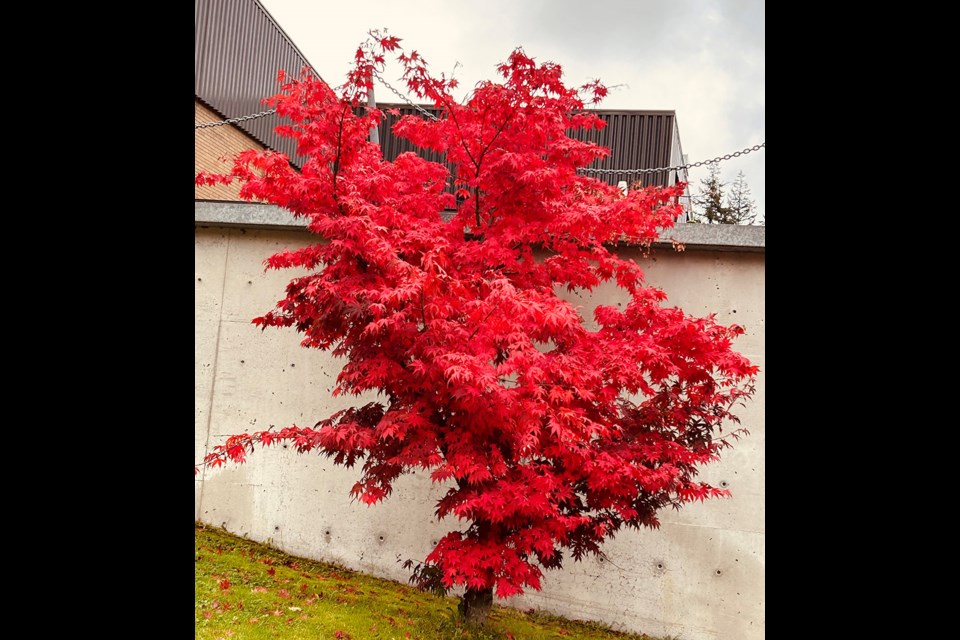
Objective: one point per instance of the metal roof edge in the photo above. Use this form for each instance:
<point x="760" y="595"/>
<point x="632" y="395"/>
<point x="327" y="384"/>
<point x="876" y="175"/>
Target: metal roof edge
<point x="286" y="37"/>
<point x="701" y="237"/>
<point x="716" y="237"/>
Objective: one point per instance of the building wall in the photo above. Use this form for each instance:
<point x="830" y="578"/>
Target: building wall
<point x="700" y="576"/>
<point x="212" y="143"/>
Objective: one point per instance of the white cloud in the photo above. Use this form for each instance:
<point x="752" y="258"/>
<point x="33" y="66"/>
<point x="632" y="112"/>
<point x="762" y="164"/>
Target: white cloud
<point x="702" y="58"/>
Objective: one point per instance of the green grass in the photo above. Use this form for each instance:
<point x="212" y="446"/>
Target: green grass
<point x="246" y="590"/>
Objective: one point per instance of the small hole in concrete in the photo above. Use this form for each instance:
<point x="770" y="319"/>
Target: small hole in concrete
<point x="292" y="365"/>
<point x="381" y="538"/>
<point x="718" y="571"/>
<point x="659" y="565"/>
<point x="276" y="528"/>
<point x="724" y="484"/>
<point x="199" y="279"/>
<point x="285" y="446"/>
<point x="242" y="361"/>
<point x="734" y="310"/>
<point x="249" y="281"/>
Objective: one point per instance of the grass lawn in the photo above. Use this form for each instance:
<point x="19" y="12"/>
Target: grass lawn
<point x="246" y="590"/>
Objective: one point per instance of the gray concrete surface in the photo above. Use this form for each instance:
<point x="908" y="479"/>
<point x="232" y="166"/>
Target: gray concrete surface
<point x="718" y="237"/>
<point x="699" y="577"/>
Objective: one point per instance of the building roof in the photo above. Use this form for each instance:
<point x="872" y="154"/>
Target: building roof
<point x="638" y="139"/>
<point x="239" y="48"/>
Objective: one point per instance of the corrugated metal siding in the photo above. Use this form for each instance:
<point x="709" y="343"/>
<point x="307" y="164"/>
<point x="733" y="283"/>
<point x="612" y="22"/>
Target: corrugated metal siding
<point x="238" y="49"/>
<point x="637" y="140"/>
<point x="393" y="146"/>
<point x="677" y="158"/>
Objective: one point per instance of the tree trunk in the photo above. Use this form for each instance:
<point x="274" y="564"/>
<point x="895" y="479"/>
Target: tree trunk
<point x="475" y="606"/>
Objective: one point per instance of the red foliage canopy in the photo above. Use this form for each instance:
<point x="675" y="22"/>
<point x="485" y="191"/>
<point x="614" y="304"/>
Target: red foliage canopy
<point x="549" y="434"/>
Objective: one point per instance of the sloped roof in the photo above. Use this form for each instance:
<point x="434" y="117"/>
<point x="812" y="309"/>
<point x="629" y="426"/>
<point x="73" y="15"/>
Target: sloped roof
<point x="239" y="48"/>
<point x="638" y="139"/>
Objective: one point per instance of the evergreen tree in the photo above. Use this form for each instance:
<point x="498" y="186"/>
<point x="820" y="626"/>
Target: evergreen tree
<point x="711" y="206"/>
<point x="708" y="204"/>
<point x="741" y="209"/>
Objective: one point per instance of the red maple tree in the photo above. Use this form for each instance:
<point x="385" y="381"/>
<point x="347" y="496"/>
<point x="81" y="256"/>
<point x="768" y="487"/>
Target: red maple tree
<point x="551" y="433"/>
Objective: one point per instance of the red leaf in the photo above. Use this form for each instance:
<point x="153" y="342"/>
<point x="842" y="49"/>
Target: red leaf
<point x="551" y="433"/>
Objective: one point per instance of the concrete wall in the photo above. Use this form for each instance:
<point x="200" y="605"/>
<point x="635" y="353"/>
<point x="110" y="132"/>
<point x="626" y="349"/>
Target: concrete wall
<point x="700" y="576"/>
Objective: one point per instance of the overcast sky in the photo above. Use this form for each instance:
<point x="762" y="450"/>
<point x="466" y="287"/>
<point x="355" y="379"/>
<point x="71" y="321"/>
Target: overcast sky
<point x="703" y="59"/>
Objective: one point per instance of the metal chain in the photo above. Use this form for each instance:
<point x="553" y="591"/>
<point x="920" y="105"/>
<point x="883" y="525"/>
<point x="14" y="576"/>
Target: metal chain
<point x="735" y="154"/>
<point x="403" y="97"/>
<point x="254" y="116"/>
<point x="266" y="113"/>
<point x="728" y="156"/>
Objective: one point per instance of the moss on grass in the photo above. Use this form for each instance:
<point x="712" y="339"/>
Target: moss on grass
<point x="250" y="591"/>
